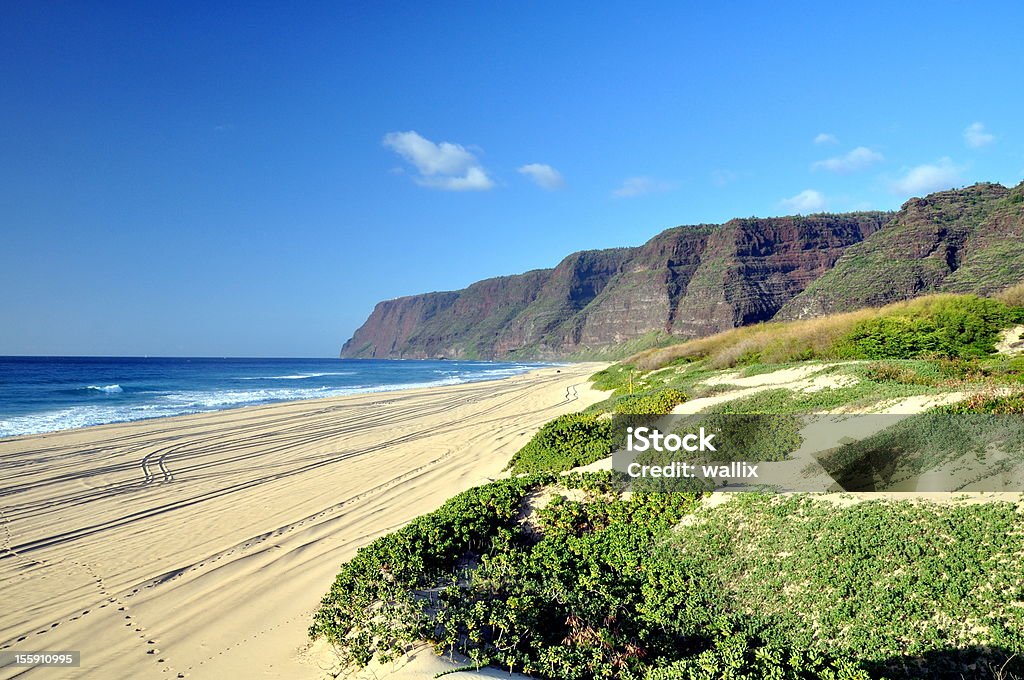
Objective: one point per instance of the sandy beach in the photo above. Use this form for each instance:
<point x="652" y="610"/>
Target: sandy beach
<point x="199" y="546"/>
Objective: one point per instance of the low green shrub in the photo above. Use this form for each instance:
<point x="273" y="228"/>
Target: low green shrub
<point x="568" y="605"/>
<point x="606" y="483"/>
<point x="741" y="656"/>
<point x="561" y="600"/>
<point x="754" y="436"/>
<point x="890" y="338"/>
<point x="954" y="327"/>
<point x="655" y="403"/>
<point x="962" y="326"/>
<point x="374" y="606"/>
<point x="566" y="442"/>
<point x="628" y="380"/>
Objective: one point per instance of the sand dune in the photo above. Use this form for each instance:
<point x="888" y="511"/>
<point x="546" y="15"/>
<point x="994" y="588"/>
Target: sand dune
<point x="199" y="546"/>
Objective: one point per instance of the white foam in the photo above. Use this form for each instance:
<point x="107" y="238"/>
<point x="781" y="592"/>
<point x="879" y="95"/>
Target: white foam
<point x="109" y="389"/>
<point x="228" y="398"/>
<point x="82" y="416"/>
<point x="297" y="376"/>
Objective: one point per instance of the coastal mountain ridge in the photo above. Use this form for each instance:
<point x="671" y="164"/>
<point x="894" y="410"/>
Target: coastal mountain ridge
<point x="692" y="281"/>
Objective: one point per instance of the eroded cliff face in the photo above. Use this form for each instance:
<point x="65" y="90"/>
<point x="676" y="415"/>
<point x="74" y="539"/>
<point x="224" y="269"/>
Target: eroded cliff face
<point x="694" y="281"/>
<point x="686" y="282"/>
<point x="964" y="241"/>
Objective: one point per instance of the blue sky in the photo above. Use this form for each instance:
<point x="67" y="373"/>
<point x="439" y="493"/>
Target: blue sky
<point x="249" y="179"/>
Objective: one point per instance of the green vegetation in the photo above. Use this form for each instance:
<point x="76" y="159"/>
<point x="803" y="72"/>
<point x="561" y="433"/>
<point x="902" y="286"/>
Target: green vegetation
<point x="566" y="442"/>
<point x="656" y="402"/>
<point x="882" y="583"/>
<point x="948" y="326"/>
<point x="857" y="384"/>
<point x="761" y="587"/>
<point x="570" y="604"/>
<point x="860" y="384"/>
<point x="951" y="241"/>
<point x="373" y="607"/>
<point x="577" y="439"/>
<point x="862" y="393"/>
<point x="951" y="326"/>
<point x="740" y="656"/>
<point x="754" y="436"/>
<point x="617" y="378"/>
<point x="560" y="596"/>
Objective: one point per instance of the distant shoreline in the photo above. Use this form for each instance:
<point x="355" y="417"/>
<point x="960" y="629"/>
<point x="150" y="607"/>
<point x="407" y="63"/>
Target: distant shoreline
<point x="55" y="394"/>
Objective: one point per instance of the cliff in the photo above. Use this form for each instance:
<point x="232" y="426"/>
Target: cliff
<point x="686" y="281"/>
<point x="692" y="281"/>
<point x="964" y="241"/>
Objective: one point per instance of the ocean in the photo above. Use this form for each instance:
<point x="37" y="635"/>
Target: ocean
<point x="44" y="394"/>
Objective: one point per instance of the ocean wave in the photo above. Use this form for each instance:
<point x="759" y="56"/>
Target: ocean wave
<point x="219" y="399"/>
<point x="297" y="376"/>
<point x="83" y="416"/>
<point x="107" y="389"/>
<point x="227" y="398"/>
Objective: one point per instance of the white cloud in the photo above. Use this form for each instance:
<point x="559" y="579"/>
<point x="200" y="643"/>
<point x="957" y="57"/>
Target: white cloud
<point x="857" y="159"/>
<point x="475" y="179"/>
<point x="976" y="136"/>
<point x="924" y="179"/>
<point x="440" y="166"/>
<point x="543" y="175"/>
<point x="807" y="201"/>
<point x="641" y="186"/>
<point x="825" y="138"/>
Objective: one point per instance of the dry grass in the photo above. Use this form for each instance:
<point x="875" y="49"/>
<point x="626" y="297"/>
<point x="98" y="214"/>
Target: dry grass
<point x="771" y="342"/>
<point x="1012" y="296"/>
<point x="781" y="342"/>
